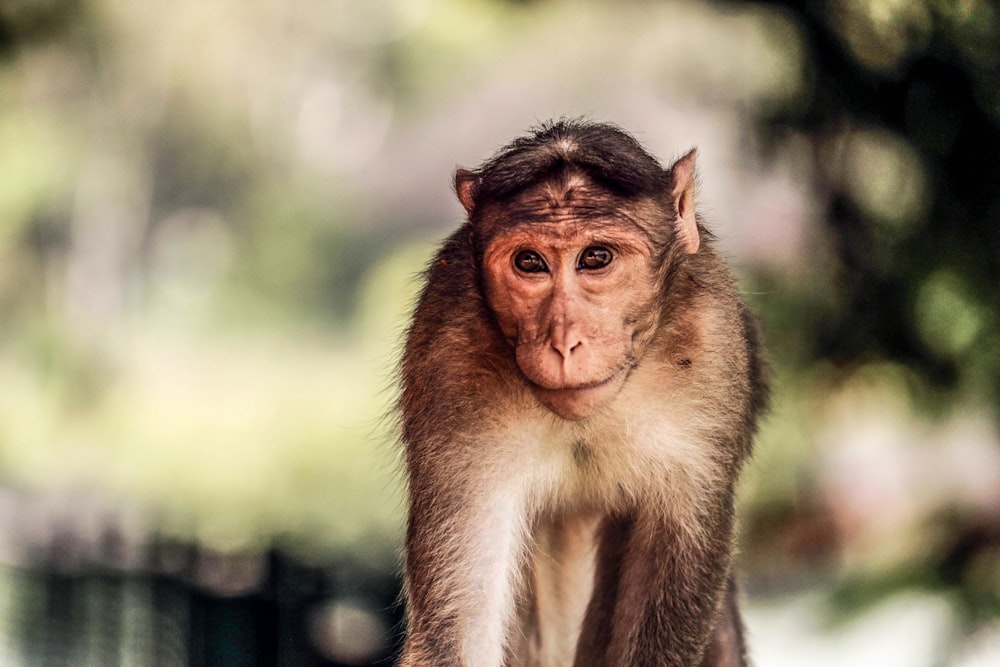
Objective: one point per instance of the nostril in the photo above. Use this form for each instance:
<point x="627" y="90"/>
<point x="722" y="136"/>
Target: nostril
<point x="566" y="348"/>
<point x="564" y="338"/>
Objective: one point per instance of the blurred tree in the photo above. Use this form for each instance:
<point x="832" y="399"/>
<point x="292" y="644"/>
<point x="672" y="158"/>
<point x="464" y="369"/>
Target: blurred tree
<point x="26" y="21"/>
<point x="903" y="117"/>
<point x="904" y="114"/>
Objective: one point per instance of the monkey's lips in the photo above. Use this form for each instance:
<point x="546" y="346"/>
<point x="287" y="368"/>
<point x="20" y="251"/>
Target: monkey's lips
<point x="576" y="402"/>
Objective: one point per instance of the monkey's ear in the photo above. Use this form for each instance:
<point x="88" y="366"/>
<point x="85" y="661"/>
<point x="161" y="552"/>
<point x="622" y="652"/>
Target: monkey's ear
<point x="465" y="188"/>
<point x="682" y="200"/>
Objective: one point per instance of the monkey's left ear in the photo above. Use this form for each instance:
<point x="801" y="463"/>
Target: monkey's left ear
<point x="465" y="188"/>
<point x="682" y="200"/>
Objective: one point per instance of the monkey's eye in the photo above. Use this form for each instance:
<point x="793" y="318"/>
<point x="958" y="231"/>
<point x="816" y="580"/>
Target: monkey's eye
<point x="530" y="261"/>
<point x="594" y="257"/>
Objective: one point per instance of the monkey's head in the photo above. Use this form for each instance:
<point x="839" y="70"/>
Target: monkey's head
<point x="572" y="230"/>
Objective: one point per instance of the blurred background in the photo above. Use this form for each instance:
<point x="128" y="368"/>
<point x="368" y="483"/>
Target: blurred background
<point x="212" y="220"/>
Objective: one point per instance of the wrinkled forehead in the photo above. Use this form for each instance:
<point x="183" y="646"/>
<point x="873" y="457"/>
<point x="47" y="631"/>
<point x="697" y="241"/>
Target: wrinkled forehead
<point x="570" y="202"/>
<point x="569" y="195"/>
<point x="569" y="199"/>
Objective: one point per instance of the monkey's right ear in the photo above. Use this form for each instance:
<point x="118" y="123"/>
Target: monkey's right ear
<point x="465" y="187"/>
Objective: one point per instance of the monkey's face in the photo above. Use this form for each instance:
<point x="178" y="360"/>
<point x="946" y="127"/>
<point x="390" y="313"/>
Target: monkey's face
<point x="573" y="297"/>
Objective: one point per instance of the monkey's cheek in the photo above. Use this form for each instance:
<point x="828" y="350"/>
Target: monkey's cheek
<point x="577" y="404"/>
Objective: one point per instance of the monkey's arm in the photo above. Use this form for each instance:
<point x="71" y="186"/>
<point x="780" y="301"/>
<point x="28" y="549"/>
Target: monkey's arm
<point x="727" y="647"/>
<point x="464" y="544"/>
<point x="661" y="589"/>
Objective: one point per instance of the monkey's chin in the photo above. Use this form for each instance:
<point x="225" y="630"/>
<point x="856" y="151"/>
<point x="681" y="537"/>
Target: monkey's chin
<point x="576" y="403"/>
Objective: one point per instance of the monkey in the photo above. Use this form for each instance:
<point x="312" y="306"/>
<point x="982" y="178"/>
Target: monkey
<point x="580" y="386"/>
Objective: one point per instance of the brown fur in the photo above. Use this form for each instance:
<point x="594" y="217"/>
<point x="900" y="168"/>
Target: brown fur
<point x="552" y="522"/>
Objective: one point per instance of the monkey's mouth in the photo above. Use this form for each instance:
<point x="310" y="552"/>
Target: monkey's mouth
<point x="578" y="401"/>
<point x="616" y="373"/>
<point x="591" y="385"/>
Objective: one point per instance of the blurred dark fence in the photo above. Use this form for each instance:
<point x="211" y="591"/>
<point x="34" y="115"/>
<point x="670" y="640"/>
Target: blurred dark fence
<point x="183" y="605"/>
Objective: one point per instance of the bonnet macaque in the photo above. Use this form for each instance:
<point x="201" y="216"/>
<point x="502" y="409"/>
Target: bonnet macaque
<point x="580" y="387"/>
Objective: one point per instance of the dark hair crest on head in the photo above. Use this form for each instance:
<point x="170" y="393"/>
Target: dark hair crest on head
<point x="607" y="155"/>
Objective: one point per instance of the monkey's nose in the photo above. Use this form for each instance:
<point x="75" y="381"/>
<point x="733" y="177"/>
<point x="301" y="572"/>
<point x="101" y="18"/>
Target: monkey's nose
<point x="565" y="339"/>
<point x="566" y="346"/>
